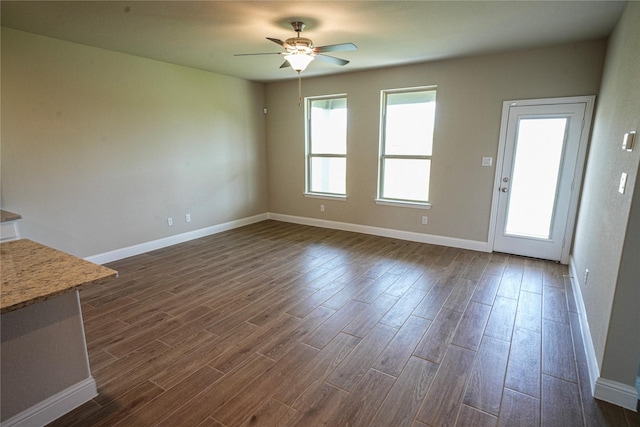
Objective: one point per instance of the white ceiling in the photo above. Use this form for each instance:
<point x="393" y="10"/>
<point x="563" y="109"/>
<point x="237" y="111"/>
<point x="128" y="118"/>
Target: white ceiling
<point x="207" y="34"/>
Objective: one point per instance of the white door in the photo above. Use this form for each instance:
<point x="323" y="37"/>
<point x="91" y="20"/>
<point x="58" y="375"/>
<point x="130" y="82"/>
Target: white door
<point x="537" y="177"/>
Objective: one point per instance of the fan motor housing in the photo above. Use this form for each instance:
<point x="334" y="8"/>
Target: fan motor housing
<point x="299" y="45"/>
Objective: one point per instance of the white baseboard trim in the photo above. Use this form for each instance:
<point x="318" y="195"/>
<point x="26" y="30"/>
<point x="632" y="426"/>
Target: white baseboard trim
<point x="592" y="360"/>
<point x="601" y="388"/>
<point x="55" y="406"/>
<point x="385" y="232"/>
<point x="141" y="248"/>
<point x="617" y="393"/>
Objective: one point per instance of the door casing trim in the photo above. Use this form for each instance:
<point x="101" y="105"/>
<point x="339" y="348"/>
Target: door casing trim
<point x="589" y="102"/>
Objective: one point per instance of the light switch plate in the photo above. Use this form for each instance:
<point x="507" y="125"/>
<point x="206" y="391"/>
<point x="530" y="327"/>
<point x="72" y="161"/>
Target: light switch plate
<point x="623" y="183"/>
<point x="627" y="141"/>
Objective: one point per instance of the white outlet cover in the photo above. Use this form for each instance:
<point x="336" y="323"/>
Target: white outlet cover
<point x="487" y="161"/>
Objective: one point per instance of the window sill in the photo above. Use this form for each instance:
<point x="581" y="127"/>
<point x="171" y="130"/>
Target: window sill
<point x="326" y="196"/>
<point x="414" y="205"/>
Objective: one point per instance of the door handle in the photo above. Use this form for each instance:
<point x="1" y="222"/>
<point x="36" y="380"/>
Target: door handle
<point x="504" y="189"/>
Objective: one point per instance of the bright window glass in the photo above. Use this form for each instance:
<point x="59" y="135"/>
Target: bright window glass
<point x="407" y="179"/>
<point x="328" y="175"/>
<point x="534" y="181"/>
<point x="327" y="145"/>
<point x="408" y="118"/>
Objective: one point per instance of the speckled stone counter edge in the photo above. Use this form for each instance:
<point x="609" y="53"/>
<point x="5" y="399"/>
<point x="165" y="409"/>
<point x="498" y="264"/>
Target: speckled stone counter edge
<point x="8" y="216"/>
<point x="31" y="272"/>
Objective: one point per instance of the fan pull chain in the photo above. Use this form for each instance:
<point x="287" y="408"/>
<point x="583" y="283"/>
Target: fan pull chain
<point x="299" y="90"/>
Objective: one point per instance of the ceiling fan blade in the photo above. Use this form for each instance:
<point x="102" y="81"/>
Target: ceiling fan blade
<point x="332" y="59"/>
<point x="263" y="53"/>
<point x="285" y="64"/>
<point x="280" y="42"/>
<point x="336" y="48"/>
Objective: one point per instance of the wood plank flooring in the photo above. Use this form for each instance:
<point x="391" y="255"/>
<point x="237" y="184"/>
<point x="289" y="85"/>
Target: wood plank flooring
<point x="278" y="324"/>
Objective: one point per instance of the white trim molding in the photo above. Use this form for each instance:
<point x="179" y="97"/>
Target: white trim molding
<point x="385" y="232"/>
<point x="338" y="197"/>
<point x="617" y="393"/>
<point x="142" y="248"/>
<point x="592" y="360"/>
<point x="414" y="205"/>
<point x="601" y="388"/>
<point x="55" y="406"/>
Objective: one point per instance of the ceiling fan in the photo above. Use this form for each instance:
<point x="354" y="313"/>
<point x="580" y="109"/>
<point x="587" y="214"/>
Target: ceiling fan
<point x="300" y="51"/>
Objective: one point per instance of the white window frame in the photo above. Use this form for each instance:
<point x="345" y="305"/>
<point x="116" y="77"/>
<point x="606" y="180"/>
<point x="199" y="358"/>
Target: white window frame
<point x="420" y="204"/>
<point x="309" y="156"/>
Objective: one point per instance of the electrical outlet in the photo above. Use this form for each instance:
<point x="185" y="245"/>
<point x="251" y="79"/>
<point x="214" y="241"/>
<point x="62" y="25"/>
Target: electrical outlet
<point x="586" y="276"/>
<point x="169" y="222"/>
<point x="187" y="217"/>
<point x="321" y="208"/>
<point x="424" y="220"/>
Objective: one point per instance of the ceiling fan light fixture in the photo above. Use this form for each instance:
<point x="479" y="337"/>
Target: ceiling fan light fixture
<point x="299" y="52"/>
<point x="299" y="60"/>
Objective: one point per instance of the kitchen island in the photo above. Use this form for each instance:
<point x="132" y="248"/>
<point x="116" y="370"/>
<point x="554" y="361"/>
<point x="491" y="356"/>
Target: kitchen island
<point x="44" y="363"/>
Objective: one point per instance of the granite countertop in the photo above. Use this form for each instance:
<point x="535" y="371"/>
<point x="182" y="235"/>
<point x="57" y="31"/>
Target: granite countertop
<point x="8" y="216"/>
<point x="32" y="272"/>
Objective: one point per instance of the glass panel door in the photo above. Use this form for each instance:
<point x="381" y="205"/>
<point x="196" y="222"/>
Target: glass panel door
<point x="540" y="154"/>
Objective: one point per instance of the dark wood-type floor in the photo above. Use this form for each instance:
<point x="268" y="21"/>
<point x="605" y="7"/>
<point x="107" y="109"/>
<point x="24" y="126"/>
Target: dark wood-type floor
<point x="278" y="324"/>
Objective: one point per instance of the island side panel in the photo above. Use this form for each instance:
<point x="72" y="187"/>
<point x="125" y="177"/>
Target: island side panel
<point x="43" y="352"/>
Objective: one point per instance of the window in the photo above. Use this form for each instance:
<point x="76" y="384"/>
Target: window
<point x="406" y="142"/>
<point x="327" y="146"/>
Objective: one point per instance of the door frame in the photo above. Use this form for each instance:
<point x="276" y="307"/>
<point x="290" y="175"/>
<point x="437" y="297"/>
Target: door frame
<point x="589" y="102"/>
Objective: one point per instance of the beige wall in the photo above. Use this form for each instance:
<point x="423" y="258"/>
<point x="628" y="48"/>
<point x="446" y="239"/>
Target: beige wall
<point x="99" y="147"/>
<point x="607" y="235"/>
<point x="469" y="104"/>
